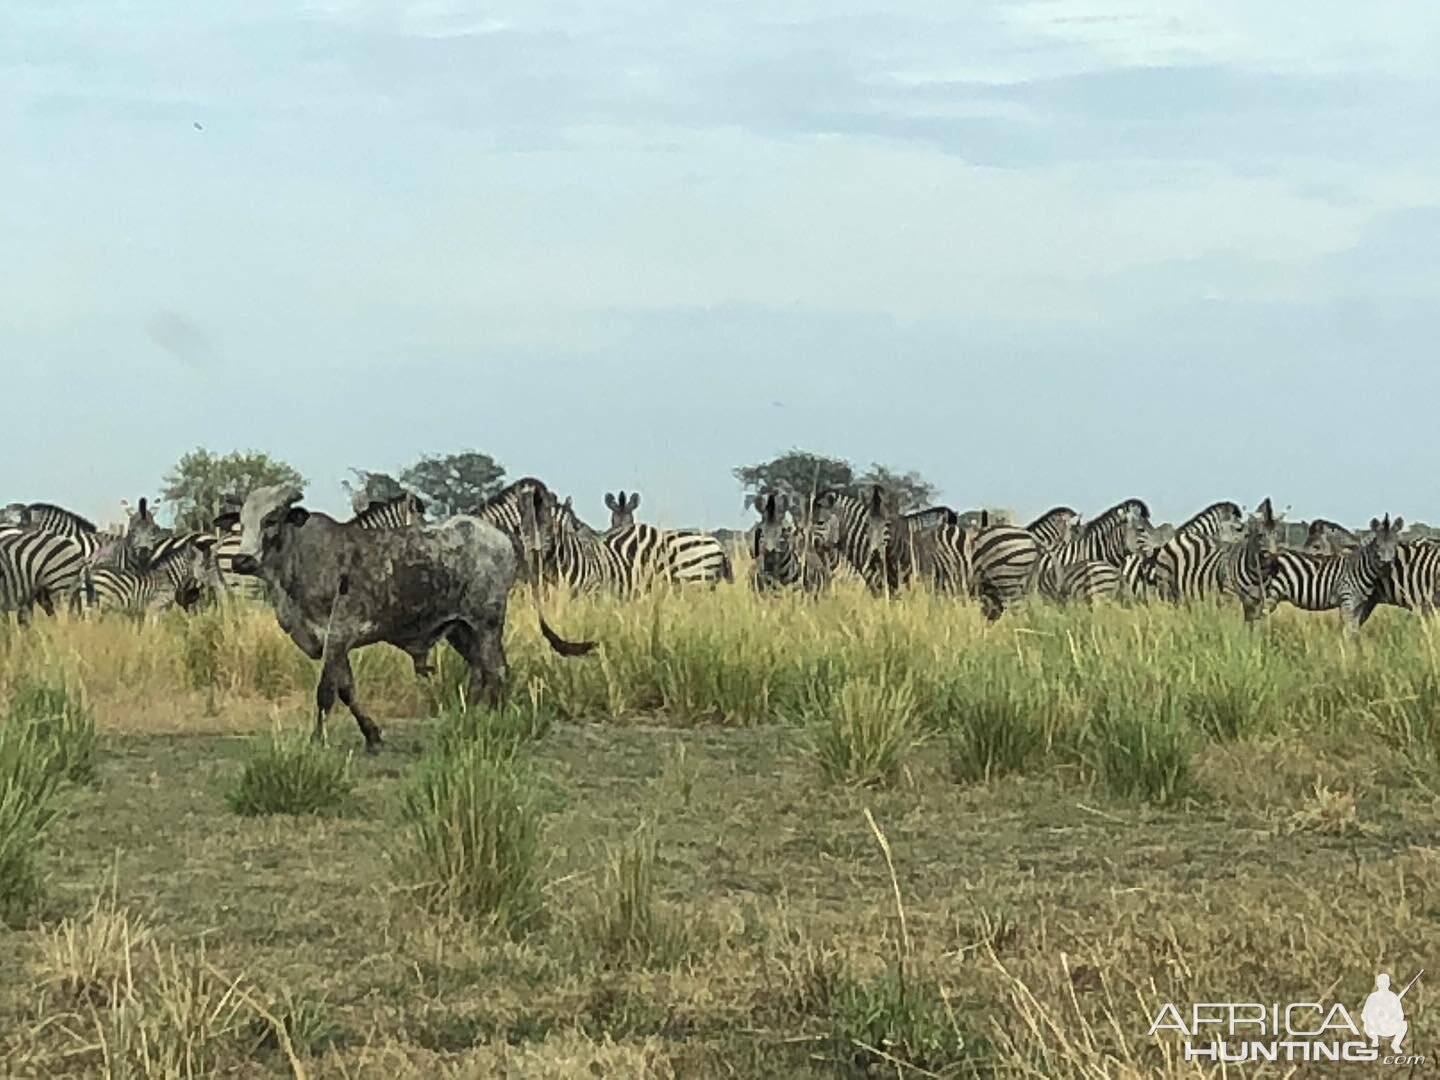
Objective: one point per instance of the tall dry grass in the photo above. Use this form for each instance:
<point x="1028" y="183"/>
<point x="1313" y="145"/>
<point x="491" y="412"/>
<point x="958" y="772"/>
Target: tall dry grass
<point x="1122" y="693"/>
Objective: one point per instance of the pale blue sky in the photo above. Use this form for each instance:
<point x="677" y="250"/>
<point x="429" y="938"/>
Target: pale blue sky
<point x="1053" y="251"/>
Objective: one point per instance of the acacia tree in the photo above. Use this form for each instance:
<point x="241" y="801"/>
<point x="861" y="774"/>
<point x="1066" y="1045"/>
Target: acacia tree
<point x="796" y="474"/>
<point x="912" y="490"/>
<point x="454" y="483"/>
<point x="202" y="484"/>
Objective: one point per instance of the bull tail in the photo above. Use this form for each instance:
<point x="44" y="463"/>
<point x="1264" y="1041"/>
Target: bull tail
<point x="558" y="643"/>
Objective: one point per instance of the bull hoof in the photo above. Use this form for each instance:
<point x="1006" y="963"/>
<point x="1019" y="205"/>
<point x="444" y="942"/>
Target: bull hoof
<point x="373" y="748"/>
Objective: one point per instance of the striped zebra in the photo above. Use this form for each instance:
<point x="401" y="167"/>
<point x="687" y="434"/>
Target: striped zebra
<point x="1002" y="565"/>
<point x="180" y="576"/>
<point x="38" y="567"/>
<point x="930" y="547"/>
<point x="782" y="554"/>
<point x="1087" y="566"/>
<point x="130" y="549"/>
<point x="688" y="555"/>
<point x="858" y="529"/>
<point x="1190" y="565"/>
<point x="1353" y="583"/>
<point x="1413" y="579"/>
<point x="564" y="548"/>
<point x="1246" y="565"/>
<point x="1055" y="526"/>
<point x="396" y="513"/>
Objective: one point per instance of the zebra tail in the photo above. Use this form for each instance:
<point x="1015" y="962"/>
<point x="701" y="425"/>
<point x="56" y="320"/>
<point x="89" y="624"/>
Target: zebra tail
<point x="558" y="643"/>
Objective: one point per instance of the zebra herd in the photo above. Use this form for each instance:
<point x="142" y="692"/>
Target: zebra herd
<point x="50" y="556"/>
<point x="1217" y="554"/>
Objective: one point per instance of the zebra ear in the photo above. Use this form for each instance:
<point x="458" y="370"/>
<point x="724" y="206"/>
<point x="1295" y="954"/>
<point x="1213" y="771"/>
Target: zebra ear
<point x="1398" y="525"/>
<point x="226" y="521"/>
<point x="1375" y="524"/>
<point x="634" y="502"/>
<point x="611" y="504"/>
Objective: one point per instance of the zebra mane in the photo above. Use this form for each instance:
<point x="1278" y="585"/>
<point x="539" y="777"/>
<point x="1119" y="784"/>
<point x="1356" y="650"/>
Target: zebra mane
<point x="1320" y="526"/>
<point x="1109" y="517"/>
<point x="1053" y="512"/>
<point x="525" y="483"/>
<point x="83" y="524"/>
<point x="1212" y="511"/>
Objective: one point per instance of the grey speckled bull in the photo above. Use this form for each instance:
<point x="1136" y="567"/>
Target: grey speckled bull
<point x="336" y="586"/>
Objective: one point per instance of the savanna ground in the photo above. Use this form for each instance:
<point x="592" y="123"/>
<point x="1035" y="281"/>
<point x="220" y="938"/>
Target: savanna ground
<point x="675" y="858"/>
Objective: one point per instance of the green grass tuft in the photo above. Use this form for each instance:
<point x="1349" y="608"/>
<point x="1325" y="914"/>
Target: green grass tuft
<point x="58" y="715"/>
<point x="474" y="827"/>
<point x="292" y="775"/>
<point x="864" y="729"/>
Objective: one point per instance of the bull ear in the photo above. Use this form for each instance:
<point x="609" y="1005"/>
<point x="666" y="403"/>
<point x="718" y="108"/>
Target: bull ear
<point x="634" y="502"/>
<point x="226" y="521"/>
<point x="611" y="504"/>
<point x="297" y="516"/>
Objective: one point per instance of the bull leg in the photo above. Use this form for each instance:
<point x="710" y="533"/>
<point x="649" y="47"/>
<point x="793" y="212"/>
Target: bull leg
<point x="484" y="652"/>
<point x="344" y="681"/>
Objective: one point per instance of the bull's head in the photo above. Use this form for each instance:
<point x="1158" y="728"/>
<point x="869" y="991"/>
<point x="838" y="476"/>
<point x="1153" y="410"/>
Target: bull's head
<point x="264" y="519"/>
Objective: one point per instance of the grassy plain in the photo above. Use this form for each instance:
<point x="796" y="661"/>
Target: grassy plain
<point x="752" y="837"/>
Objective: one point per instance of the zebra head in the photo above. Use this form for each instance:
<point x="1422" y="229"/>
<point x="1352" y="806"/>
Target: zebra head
<point x="1385" y="537"/>
<point x="1327" y="538"/>
<point x="769" y="536"/>
<point x="143" y="533"/>
<point x="1263" y="532"/>
<point x="622" y="508"/>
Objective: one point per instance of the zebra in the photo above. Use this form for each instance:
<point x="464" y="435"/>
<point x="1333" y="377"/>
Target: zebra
<point x="396" y="513"/>
<point x="782" y="553"/>
<point x="1055" y="526"/>
<point x="932" y="547"/>
<point x="690" y="555"/>
<point x="1190" y="565"/>
<point x="1243" y="573"/>
<point x="858" y="529"/>
<point x="38" y="567"/>
<point x="1087" y="566"/>
<point x="1002" y="565"/>
<point x="130" y="549"/>
<point x="180" y="575"/>
<point x="1353" y="582"/>
<point x="562" y="547"/>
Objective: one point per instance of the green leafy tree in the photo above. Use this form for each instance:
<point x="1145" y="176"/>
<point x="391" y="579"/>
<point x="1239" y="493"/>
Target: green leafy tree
<point x="795" y="473"/>
<point x="203" y="484"/>
<point x="913" y="490"/>
<point x="454" y="483"/>
<point x="368" y="487"/>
